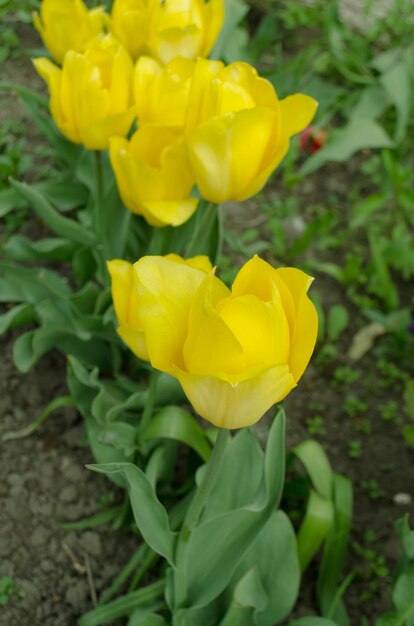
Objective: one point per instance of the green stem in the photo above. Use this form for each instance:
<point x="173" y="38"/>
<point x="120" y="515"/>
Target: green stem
<point x="149" y="404"/>
<point x="98" y="222"/>
<point x="206" y="208"/>
<point x="196" y="507"/>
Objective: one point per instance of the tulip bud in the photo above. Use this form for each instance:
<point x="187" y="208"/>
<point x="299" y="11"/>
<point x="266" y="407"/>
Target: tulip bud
<point x="67" y="25"/>
<point x="153" y="175"/>
<point x="91" y="96"/>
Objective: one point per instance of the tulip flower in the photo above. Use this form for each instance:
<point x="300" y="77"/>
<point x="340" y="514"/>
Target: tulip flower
<point x="128" y="23"/>
<point x="67" y="25"/>
<point x="161" y="93"/>
<point x="91" y="96"/>
<point x="237" y="130"/>
<point x="167" y="29"/>
<point x="186" y="28"/>
<point x="125" y="298"/>
<point x="235" y="352"/>
<point x="153" y="175"/>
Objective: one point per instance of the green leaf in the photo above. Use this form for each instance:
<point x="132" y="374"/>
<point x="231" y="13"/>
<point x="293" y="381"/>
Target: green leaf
<point x="19" y="248"/>
<point x="397" y="84"/>
<point x="363" y="210"/>
<point x="17" y="316"/>
<point x="150" y="515"/>
<point x="315" y="527"/>
<point x="335" y="552"/>
<point x="146" y="598"/>
<point x="232" y="43"/>
<point x="172" y="422"/>
<point x="276" y="543"/>
<point x="383" y="284"/>
<point x="337" y="322"/>
<point x="142" y="618"/>
<point x="359" y="134"/>
<point x="120" y="435"/>
<point x="312" y="621"/>
<point x="60" y="225"/>
<point x="316" y="463"/>
<point x="198" y="580"/>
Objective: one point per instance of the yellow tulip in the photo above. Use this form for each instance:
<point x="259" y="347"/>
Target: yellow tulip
<point x="91" y="96"/>
<point x="67" y="25"/>
<point x="235" y="353"/>
<point x="167" y="29"/>
<point x="128" y="23"/>
<point x="161" y="93"/>
<point x="125" y="299"/>
<point x="153" y="175"/>
<point x="186" y="28"/>
<point x="237" y="129"/>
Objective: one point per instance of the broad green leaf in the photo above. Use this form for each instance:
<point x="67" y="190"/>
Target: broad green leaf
<point x="172" y="422"/>
<point x="150" y="515"/>
<point x="60" y="225"/>
<point x="315" y="527"/>
<point x="397" y="84"/>
<point x="381" y="281"/>
<point x="19" y="248"/>
<point x="276" y="543"/>
<point x="312" y="621"/>
<point x="198" y="580"/>
<point x="337" y="322"/>
<point x="17" y="316"/>
<point x="238" y="483"/>
<point x="31" y="285"/>
<point x="359" y="134"/>
<point x="316" y="463"/>
<point x="334" y="553"/>
<point x="372" y="102"/>
<point x="120" y="435"/>
<point x="363" y="210"/>
<point x="232" y="43"/>
<point x="406" y="536"/>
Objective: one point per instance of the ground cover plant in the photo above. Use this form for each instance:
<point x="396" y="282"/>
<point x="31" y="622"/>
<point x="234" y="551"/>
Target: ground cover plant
<point x="349" y="225"/>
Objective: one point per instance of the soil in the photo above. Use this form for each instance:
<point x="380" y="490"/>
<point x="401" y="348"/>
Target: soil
<point x="44" y="479"/>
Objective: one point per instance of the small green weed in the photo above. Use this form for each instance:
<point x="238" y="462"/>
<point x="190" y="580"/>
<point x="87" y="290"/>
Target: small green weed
<point x="9" y="588"/>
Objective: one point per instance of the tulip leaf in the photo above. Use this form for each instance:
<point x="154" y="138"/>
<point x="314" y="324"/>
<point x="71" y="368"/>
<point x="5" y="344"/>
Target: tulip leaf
<point x="334" y="552"/>
<point x="276" y="543"/>
<point x="233" y="40"/>
<point x="150" y="515"/>
<point x="198" y="581"/>
<point x="316" y="525"/>
<point x="238" y="483"/>
<point x="18" y="315"/>
<point x="397" y="85"/>
<point x="316" y="463"/>
<point x="143" y="618"/>
<point x="172" y="422"/>
<point x="105" y="453"/>
<point x="148" y="598"/>
<point x="312" y="621"/>
<point x="359" y="134"/>
<point x="19" y="248"/>
<point x="59" y="224"/>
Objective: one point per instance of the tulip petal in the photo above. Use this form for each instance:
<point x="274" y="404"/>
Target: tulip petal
<point x="204" y="323"/>
<point x="121" y="273"/>
<point x="227" y="152"/>
<point x="297" y="112"/>
<point x="135" y="340"/>
<point x="305" y="324"/>
<point x="236" y="405"/>
<point x="165" y="290"/>
<point x="172" y="213"/>
<point x="200" y="262"/>
<point x="260" y="327"/>
<point x="97" y="134"/>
